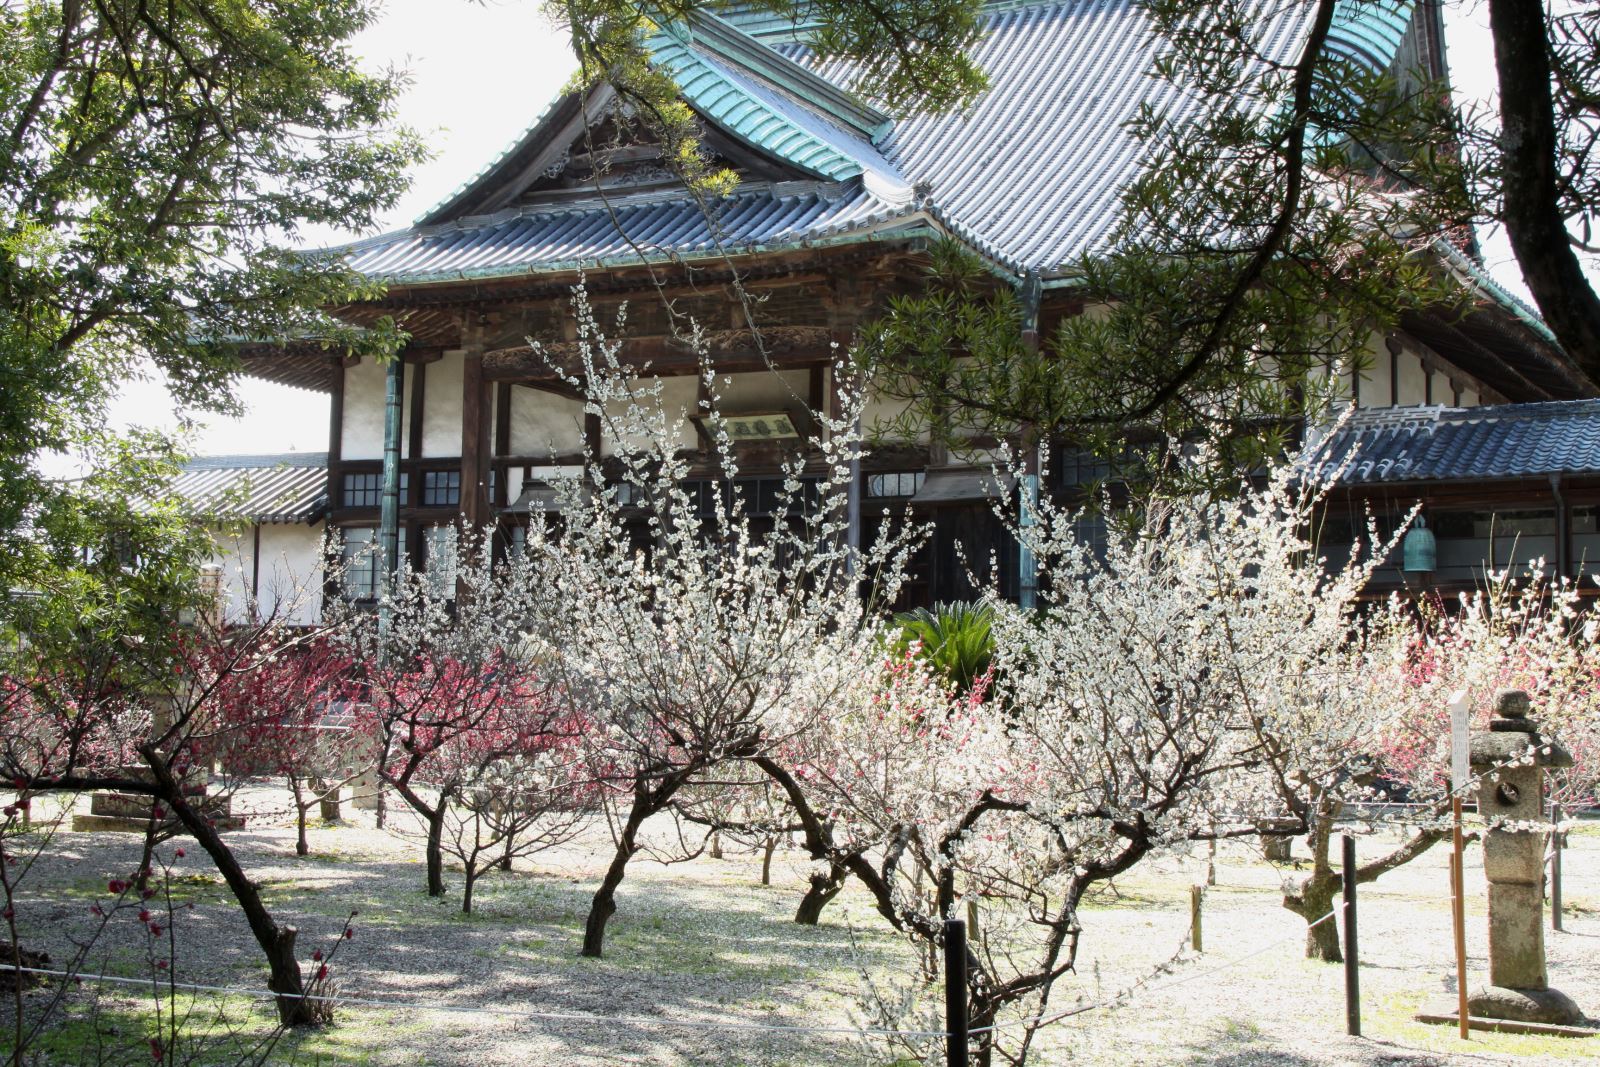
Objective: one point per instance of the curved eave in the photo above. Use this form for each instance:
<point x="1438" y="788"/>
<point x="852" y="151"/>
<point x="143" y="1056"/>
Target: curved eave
<point x="907" y="227"/>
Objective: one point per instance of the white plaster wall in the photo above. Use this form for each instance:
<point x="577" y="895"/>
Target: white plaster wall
<point x="762" y="391"/>
<point x="290" y="571"/>
<point x="679" y="398"/>
<point x="1442" y="392"/>
<point x="441" y="406"/>
<point x="544" y="424"/>
<point x="233" y="553"/>
<point x="1413" y="380"/>
<point x="1470" y="398"/>
<point x="878" y="417"/>
<point x="361" y="436"/>
<point x="1375" y="378"/>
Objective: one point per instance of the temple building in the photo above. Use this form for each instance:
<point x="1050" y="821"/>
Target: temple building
<point x="834" y="213"/>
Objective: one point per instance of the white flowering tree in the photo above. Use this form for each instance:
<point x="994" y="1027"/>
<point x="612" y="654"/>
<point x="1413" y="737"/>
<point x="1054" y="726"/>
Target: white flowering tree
<point x="1522" y="630"/>
<point x="693" y="635"/>
<point x="1184" y="681"/>
<point x="1408" y="660"/>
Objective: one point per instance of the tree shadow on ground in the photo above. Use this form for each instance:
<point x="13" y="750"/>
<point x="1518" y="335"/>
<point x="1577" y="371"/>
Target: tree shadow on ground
<point x="675" y="950"/>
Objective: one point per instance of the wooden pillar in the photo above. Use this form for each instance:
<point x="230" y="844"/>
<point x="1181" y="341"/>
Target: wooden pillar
<point x="474" y="440"/>
<point x="1027" y="567"/>
<point x="593" y="436"/>
<point x="419" y="406"/>
<point x="255" y="572"/>
<point x="335" y="490"/>
<point x="335" y="431"/>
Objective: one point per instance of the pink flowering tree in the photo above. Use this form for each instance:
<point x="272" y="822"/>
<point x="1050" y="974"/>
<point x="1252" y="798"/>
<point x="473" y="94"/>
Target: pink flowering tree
<point x="522" y="792"/>
<point x="1405" y="663"/>
<point x="456" y="717"/>
<point x="278" y="721"/>
<point x="1521" y="631"/>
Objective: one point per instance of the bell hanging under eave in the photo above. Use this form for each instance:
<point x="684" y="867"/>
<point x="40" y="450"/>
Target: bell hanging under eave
<point x="1419" y="550"/>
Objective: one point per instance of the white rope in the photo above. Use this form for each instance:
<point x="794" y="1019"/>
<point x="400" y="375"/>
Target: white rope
<point x="552" y="1016"/>
<point x="685" y="1024"/>
<point x="1045" y="1020"/>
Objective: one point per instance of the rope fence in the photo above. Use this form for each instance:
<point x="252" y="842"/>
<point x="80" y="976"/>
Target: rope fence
<point x="516" y="1013"/>
<point x="644" y="1022"/>
<point x="1153" y="986"/>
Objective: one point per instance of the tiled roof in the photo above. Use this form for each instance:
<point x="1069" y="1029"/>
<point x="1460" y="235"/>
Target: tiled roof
<point x="591" y="234"/>
<point x="289" y="487"/>
<point x="1426" y="444"/>
<point x="1030" y="175"/>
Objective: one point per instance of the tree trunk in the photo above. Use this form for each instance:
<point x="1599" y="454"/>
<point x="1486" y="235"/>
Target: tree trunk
<point x="980" y="1016"/>
<point x="277" y="942"/>
<point x="824" y="887"/>
<point x="716" y="845"/>
<point x="147" y="857"/>
<point x="436" y="850"/>
<point x="466" y="892"/>
<point x="1532" y="176"/>
<point x="301" y="846"/>
<point x="1311" y="900"/>
<point x="766" y="861"/>
<point x="330" y="802"/>
<point x="604" y="904"/>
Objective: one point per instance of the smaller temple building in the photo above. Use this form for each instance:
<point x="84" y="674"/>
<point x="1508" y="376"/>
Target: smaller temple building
<point x="266" y="514"/>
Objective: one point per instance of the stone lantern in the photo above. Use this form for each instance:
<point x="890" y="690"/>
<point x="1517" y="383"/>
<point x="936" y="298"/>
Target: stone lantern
<point x="1510" y="762"/>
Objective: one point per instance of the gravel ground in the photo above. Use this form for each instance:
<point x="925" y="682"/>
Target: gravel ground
<point x="703" y="941"/>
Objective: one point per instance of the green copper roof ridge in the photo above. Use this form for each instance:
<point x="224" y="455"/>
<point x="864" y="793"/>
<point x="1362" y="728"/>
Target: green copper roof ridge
<point x="500" y="157"/>
<point x="1372" y="29"/>
<point x="728" y="42"/>
<point x="1481" y="279"/>
<point x="687" y="68"/>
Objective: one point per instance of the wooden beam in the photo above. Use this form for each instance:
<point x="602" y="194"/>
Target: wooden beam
<point x="593" y="435"/>
<point x="730" y="351"/>
<point x="335" y="433"/>
<point x="877" y="260"/>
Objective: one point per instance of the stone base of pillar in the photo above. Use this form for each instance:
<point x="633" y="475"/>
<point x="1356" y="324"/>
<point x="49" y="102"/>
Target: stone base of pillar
<point x="1524" y="1005"/>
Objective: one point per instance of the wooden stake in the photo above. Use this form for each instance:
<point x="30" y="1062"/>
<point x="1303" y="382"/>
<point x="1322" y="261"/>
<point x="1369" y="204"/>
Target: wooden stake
<point x="955" y="992"/>
<point x="1555" y="866"/>
<point x="1196" y="895"/>
<point x="1352" y="951"/>
<point x="1459" y="914"/>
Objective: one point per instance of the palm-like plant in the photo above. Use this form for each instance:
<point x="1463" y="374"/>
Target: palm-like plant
<point x="956" y="639"/>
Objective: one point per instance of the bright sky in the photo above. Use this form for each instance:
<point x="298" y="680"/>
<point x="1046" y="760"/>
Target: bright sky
<point x="481" y="72"/>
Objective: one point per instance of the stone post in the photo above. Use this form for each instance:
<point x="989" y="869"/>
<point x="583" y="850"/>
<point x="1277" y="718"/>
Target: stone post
<point x="1510" y="761"/>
